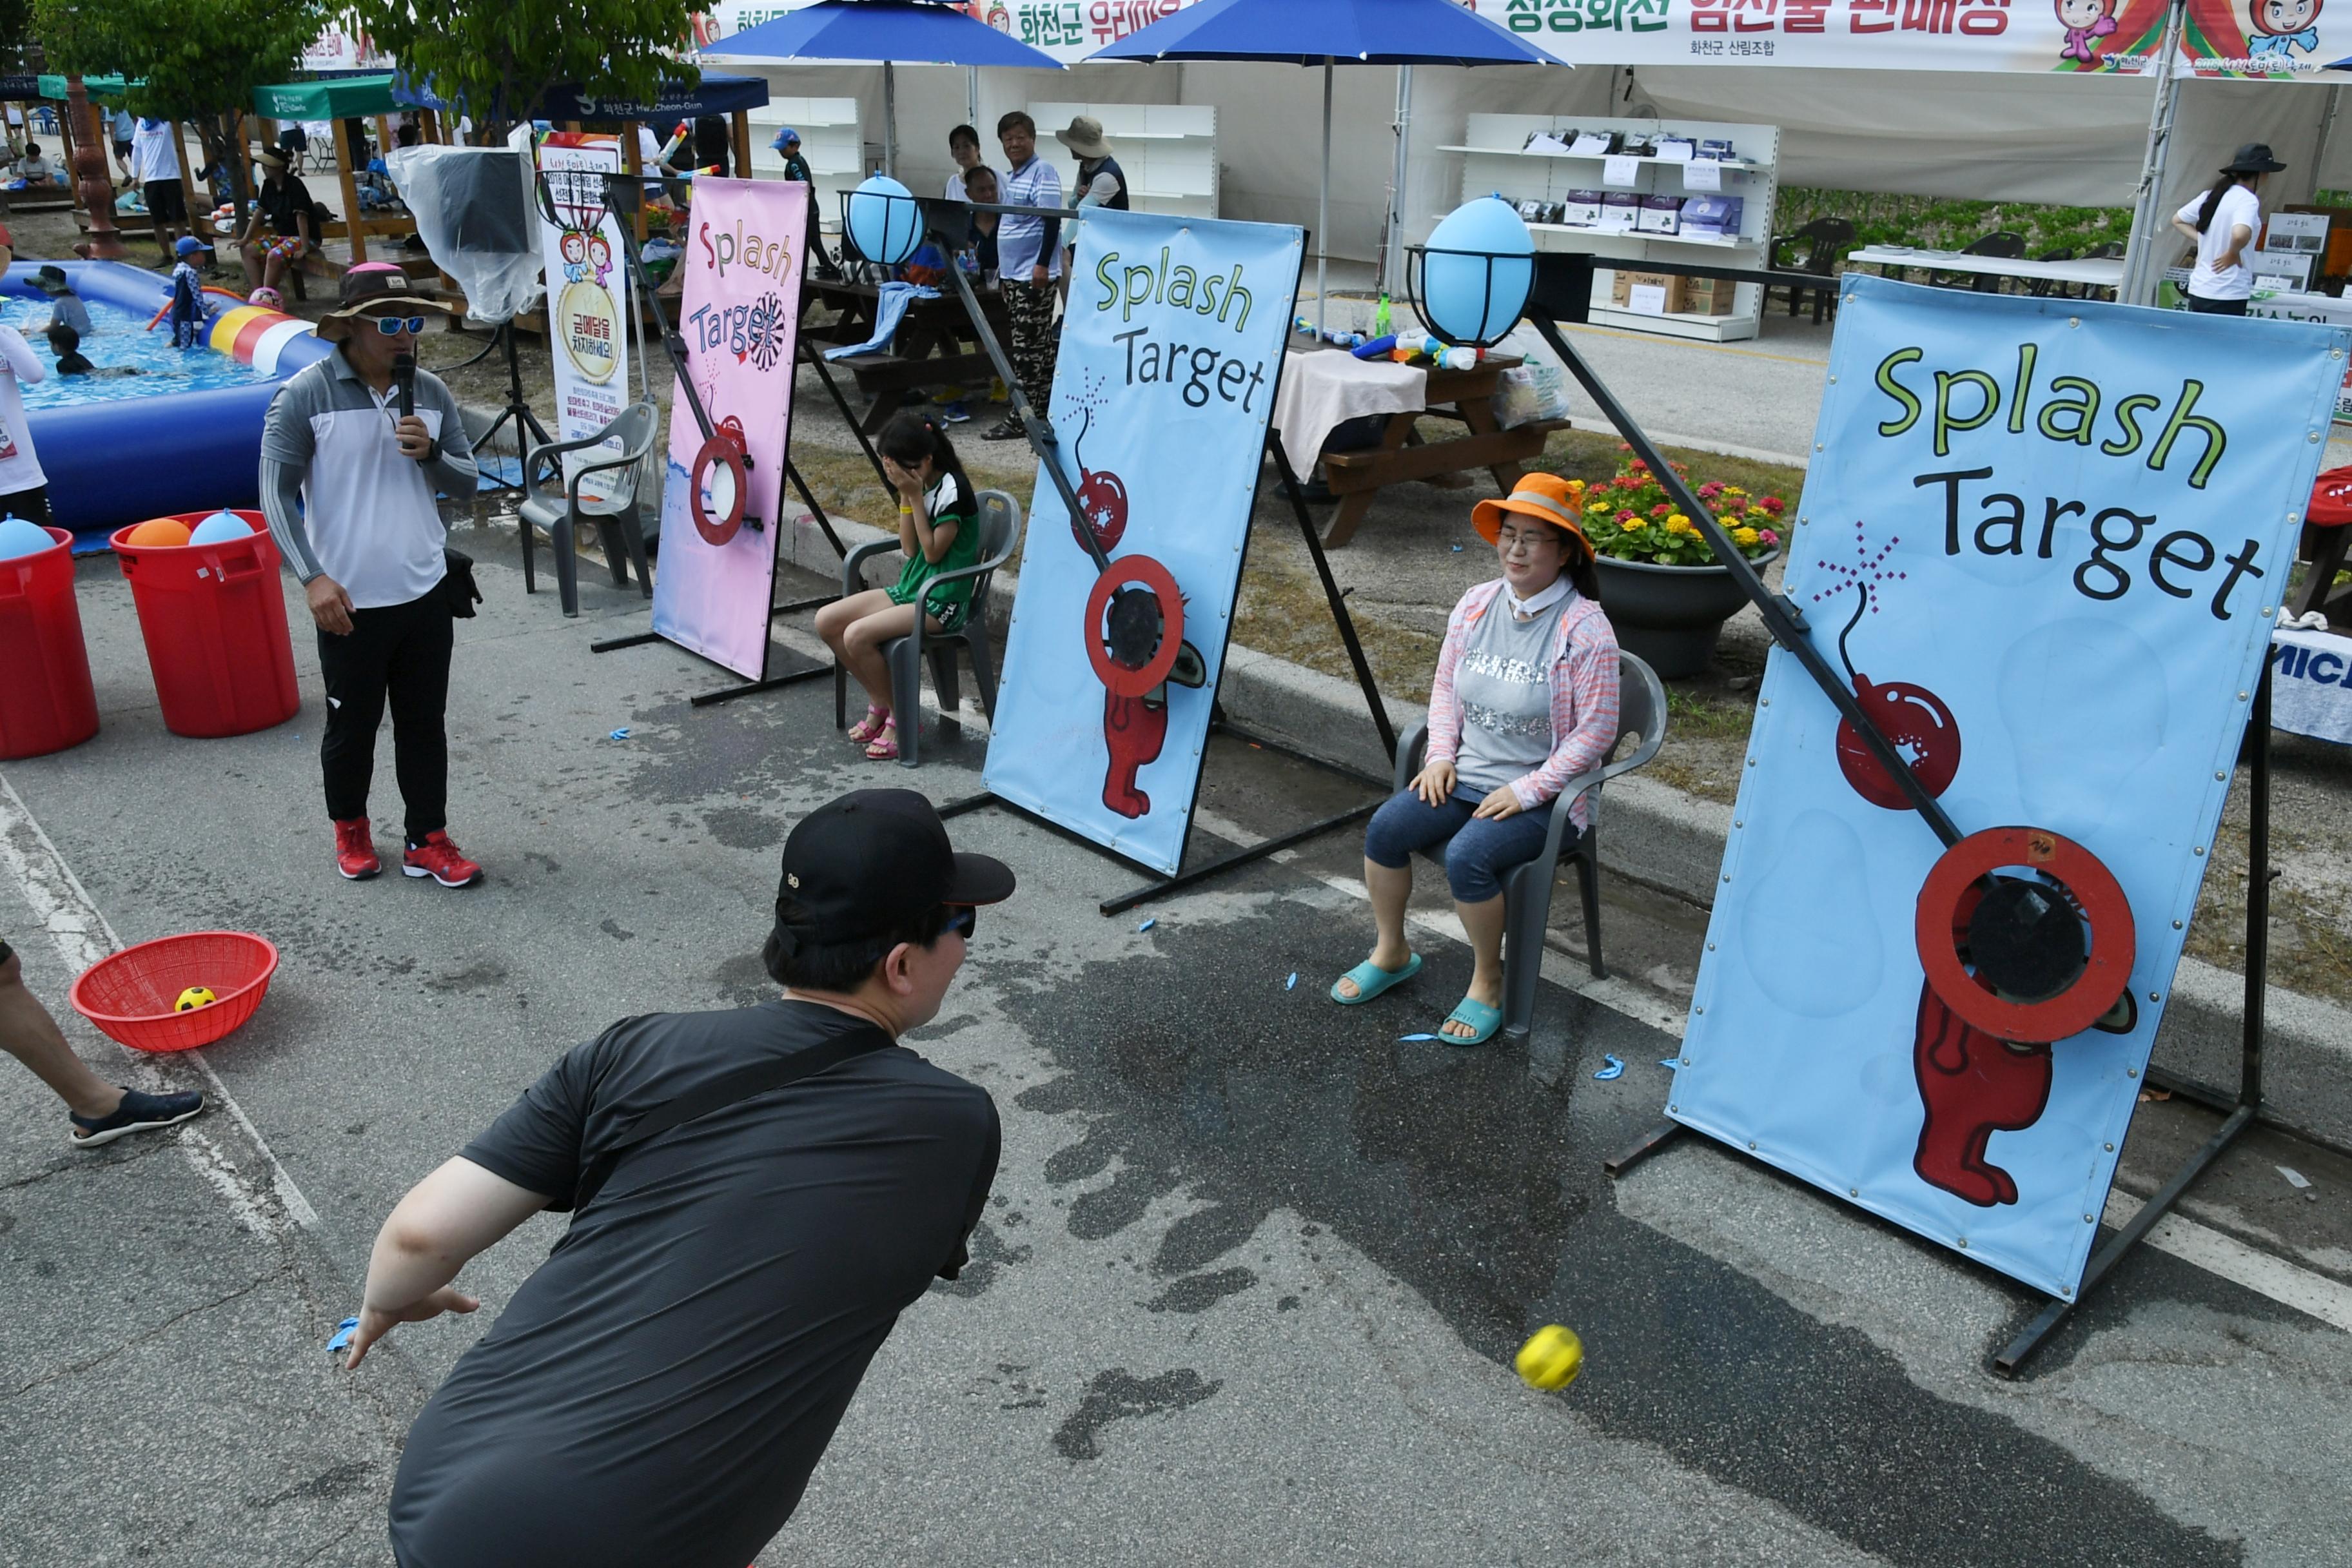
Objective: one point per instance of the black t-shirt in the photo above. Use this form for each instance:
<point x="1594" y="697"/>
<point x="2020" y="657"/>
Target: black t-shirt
<point x="281" y="199"/>
<point x="660" y="1388"/>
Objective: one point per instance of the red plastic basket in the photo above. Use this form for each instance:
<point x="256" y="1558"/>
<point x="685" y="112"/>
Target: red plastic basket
<point x="130" y="995"/>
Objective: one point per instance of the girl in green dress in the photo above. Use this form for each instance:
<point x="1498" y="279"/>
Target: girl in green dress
<point x="938" y="528"/>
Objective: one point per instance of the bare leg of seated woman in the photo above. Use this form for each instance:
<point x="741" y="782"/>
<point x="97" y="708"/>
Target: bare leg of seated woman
<point x="1391" y="889"/>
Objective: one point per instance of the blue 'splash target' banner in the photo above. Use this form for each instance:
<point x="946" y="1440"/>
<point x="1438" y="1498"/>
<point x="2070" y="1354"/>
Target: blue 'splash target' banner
<point x="1171" y="347"/>
<point x="2046" y="540"/>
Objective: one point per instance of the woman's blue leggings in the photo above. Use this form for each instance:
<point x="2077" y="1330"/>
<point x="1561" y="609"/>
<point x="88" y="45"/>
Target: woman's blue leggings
<point x="1477" y="851"/>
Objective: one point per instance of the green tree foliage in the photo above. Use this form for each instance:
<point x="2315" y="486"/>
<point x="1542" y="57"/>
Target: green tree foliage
<point x="1939" y="222"/>
<point x="200" y="62"/>
<point x="499" y="57"/>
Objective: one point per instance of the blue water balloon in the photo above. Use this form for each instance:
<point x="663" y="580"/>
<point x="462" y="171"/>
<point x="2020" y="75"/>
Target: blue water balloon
<point x="221" y="528"/>
<point x="1476" y="271"/>
<point x="18" y="537"/>
<point x="883" y="220"/>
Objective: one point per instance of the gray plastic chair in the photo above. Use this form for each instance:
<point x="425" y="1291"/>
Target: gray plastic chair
<point x="1000" y="534"/>
<point x="562" y="508"/>
<point x="1526" y="887"/>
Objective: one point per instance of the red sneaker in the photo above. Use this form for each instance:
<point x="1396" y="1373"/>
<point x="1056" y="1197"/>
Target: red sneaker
<point x="438" y="858"/>
<point x="355" y="848"/>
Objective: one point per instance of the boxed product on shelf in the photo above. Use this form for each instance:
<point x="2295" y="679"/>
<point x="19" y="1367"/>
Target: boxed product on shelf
<point x="1715" y="217"/>
<point x="1660" y="215"/>
<point x="1708" y="296"/>
<point x="1548" y="141"/>
<point x="1621" y="211"/>
<point x="1681" y="149"/>
<point x="1625" y="280"/>
<point x="1633" y="146"/>
<point x="1594" y="143"/>
<point x="1715" y="151"/>
<point x="1530" y="212"/>
<point x="1581" y="209"/>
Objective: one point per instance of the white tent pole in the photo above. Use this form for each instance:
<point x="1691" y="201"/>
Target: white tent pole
<point x="1392" y="254"/>
<point x="889" y="121"/>
<point x="2149" y="230"/>
<point x="972" y="97"/>
<point x="1323" y="209"/>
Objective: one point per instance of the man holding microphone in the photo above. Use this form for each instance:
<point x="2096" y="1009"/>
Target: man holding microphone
<point x="354" y="447"/>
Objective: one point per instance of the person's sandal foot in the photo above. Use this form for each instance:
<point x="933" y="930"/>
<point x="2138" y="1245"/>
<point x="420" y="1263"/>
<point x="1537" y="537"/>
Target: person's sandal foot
<point x="1475" y="1015"/>
<point x="139" y="1112"/>
<point x="1370" y="980"/>
<point x="885" y="747"/>
<point x="865" y="729"/>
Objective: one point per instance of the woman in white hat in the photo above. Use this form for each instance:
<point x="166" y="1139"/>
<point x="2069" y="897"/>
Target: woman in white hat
<point x="1101" y="183"/>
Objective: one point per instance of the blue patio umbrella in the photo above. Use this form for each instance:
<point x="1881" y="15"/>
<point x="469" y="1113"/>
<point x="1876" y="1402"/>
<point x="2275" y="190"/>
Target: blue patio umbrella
<point x="1403" y="33"/>
<point x="891" y="32"/>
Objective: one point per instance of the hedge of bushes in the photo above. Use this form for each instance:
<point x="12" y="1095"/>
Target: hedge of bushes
<point x="1938" y="224"/>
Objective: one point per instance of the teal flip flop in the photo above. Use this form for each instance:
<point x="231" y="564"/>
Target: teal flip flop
<point x="1371" y="980"/>
<point x="1479" y="1017"/>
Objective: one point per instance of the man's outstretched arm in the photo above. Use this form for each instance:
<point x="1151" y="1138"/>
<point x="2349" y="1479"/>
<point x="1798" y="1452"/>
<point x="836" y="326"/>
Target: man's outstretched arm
<point x="459" y="1210"/>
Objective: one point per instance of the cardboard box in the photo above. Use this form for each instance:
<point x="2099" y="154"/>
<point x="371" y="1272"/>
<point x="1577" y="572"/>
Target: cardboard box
<point x="1660" y="215"/>
<point x="1708" y="296"/>
<point x="1621" y="210"/>
<point x="1626" y="280"/>
<point x="1715" y="217"/>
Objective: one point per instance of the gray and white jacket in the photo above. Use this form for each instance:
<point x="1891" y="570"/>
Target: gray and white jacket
<point x="340" y="499"/>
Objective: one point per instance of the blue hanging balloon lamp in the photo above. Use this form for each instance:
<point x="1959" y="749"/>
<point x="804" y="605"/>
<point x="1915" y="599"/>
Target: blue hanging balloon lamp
<point x="1470" y="281"/>
<point x="882" y="220"/>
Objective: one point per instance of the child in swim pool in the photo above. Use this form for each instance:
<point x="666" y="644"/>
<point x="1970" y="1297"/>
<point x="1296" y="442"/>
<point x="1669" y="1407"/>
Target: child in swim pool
<point x="65" y="343"/>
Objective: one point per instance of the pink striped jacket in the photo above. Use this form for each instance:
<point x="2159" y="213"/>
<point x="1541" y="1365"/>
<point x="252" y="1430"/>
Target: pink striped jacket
<point x="1583" y="697"/>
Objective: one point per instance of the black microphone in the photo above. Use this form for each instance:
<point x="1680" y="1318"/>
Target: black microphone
<point x="404" y="375"/>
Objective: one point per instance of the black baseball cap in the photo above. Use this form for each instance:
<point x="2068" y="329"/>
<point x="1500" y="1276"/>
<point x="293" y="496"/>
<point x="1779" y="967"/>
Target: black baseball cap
<point x="865" y="864"/>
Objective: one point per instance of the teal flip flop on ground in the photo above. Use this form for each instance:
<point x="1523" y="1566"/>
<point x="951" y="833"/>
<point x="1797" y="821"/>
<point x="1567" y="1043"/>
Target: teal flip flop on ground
<point x="1486" y="1020"/>
<point x="1371" y="980"/>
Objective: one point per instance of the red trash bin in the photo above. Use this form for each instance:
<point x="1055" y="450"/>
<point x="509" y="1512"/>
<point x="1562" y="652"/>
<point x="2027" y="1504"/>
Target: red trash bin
<point x="213" y="618"/>
<point x="45" y="701"/>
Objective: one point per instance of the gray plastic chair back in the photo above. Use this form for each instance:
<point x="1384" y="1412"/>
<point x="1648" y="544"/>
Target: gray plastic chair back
<point x="1000" y="531"/>
<point x="635" y="427"/>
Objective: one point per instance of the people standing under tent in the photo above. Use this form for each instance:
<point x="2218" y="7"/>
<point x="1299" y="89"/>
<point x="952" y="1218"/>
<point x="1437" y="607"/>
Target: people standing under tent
<point x="120" y="128"/>
<point x="1101" y="183"/>
<point x="348" y="483"/>
<point x="714" y="145"/>
<point x="155" y="163"/>
<point x="284" y="227"/>
<point x="99" y="1111"/>
<point x="294" y="141"/>
<point x="787" y="141"/>
<point x="1029" y="259"/>
<point x="938" y="528"/>
<point x="2222" y="223"/>
<point x="756" y="1195"/>
<point x="1525" y="699"/>
<point x="964" y="146"/>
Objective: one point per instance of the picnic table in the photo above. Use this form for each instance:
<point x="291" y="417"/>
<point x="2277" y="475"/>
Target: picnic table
<point x="930" y="349"/>
<point x="1895" y="260"/>
<point x="1322" y="387"/>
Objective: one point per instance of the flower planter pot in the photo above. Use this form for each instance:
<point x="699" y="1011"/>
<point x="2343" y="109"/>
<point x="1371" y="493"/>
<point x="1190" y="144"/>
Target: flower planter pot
<point x="1670" y="616"/>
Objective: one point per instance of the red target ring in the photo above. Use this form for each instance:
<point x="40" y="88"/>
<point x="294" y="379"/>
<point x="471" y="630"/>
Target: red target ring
<point x="1142" y="570"/>
<point x="1946" y="904"/>
<point x="720" y="451"/>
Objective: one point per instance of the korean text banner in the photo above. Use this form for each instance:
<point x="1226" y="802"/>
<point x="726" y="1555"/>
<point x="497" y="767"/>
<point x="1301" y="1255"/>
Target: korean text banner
<point x="2045" y="541"/>
<point x="1171" y="347"/>
<point x="587" y="295"/>
<point x="1069" y="30"/>
<point x="740" y="317"/>
<point x="2264" y="39"/>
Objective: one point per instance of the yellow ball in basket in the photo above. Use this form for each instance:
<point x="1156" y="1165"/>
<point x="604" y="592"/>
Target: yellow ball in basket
<point x="193" y="997"/>
<point x="1551" y="1358"/>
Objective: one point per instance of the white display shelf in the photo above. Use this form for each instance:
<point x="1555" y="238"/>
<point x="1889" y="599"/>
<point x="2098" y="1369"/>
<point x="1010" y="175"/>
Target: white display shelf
<point x="1495" y="159"/>
<point x="1742" y="163"/>
<point x="831" y="140"/>
<point x="1168" y="150"/>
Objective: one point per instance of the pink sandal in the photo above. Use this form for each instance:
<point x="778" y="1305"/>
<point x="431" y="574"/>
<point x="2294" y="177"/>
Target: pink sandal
<point x="885" y="748"/>
<point x="865" y="729"/>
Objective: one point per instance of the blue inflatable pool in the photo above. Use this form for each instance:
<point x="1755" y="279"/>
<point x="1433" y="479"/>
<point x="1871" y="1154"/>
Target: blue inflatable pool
<point x="119" y="451"/>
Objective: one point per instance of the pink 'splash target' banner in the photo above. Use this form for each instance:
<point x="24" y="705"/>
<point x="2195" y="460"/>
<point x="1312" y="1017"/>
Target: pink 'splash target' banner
<point x="739" y="315"/>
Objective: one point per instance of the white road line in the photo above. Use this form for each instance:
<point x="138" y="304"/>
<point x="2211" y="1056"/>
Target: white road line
<point x="2327" y="1299"/>
<point x="2264" y="1273"/>
<point x="83" y="936"/>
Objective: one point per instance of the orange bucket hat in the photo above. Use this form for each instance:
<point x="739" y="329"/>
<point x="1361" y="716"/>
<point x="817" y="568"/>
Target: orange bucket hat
<point x="1547" y="498"/>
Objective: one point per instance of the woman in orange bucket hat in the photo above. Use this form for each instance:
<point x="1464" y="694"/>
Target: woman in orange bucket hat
<point x="1525" y="699"/>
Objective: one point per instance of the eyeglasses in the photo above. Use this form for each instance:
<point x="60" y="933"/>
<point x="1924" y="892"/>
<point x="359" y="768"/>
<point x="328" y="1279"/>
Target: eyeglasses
<point x="1509" y="540"/>
<point x="393" y="326"/>
<point x="962" y="919"/>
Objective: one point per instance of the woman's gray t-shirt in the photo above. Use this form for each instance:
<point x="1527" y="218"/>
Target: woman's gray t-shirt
<point x="1503" y="681"/>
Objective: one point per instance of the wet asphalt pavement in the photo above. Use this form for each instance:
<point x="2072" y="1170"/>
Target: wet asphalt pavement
<point x="1249" y="1286"/>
